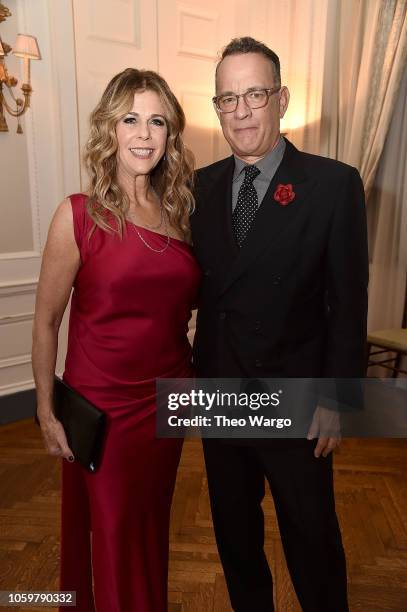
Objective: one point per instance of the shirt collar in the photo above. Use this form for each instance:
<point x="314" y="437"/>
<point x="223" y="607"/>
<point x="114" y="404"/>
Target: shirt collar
<point x="266" y="165"/>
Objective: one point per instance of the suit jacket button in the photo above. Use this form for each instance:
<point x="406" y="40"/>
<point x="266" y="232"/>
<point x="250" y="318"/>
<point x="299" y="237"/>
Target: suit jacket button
<point x="222" y="315"/>
<point x="258" y="363"/>
<point x="276" y="280"/>
<point x="257" y="326"/>
<point x="207" y="273"/>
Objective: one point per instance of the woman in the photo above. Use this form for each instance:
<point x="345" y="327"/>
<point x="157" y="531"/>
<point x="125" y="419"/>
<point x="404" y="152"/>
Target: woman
<point x="124" y="249"/>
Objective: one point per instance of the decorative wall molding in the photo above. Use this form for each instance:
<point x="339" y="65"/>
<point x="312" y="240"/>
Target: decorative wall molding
<point x="20" y="255"/>
<point x="18" y="360"/>
<point x="16" y="288"/>
<point x="16" y="387"/>
<point x="203" y="18"/>
<point x="31" y="139"/>
<point x="99" y="11"/>
<point x="51" y="129"/>
<point x="64" y="69"/>
<point x="16" y="374"/>
<point x="17" y="318"/>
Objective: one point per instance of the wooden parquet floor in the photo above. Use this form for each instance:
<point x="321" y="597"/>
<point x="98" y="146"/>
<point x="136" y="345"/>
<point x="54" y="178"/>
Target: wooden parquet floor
<point x="371" y="494"/>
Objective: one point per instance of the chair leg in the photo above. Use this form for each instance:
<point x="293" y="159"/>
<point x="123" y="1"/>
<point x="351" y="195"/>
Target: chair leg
<point x="368" y="349"/>
<point x="397" y="362"/>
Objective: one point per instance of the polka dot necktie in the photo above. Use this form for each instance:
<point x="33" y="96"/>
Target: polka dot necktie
<point x="247" y="204"/>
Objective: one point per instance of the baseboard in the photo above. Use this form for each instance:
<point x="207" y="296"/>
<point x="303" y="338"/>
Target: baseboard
<point x="17" y="406"/>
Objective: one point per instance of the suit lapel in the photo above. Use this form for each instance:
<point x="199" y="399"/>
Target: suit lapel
<point x="272" y="218"/>
<point x="217" y="221"/>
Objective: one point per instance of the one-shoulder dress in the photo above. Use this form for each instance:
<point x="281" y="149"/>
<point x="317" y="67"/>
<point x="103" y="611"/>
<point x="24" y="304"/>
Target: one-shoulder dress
<point x="128" y="326"/>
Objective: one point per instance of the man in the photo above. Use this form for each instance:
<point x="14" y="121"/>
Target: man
<point x="281" y="238"/>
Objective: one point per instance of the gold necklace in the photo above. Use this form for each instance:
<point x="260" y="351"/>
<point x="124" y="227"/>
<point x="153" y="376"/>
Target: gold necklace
<point x="167" y="233"/>
<point x="155" y="227"/>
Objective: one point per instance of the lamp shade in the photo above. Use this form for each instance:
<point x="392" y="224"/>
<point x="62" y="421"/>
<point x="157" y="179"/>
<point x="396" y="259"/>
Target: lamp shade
<point x="26" y="46"/>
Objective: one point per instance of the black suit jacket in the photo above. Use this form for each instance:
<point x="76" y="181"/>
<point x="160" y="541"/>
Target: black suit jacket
<point x="292" y="302"/>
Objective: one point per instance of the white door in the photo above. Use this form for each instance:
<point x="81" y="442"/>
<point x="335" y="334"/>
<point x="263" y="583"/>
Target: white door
<point x="180" y="39"/>
<point x="190" y="36"/>
<point x="110" y="36"/>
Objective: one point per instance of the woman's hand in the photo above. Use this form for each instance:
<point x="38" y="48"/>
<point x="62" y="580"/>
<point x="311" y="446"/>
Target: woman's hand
<point x="54" y="437"/>
<point x="60" y="263"/>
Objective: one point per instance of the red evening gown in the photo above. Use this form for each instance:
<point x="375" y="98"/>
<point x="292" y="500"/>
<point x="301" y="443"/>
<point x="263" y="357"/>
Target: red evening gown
<point x="128" y="326"/>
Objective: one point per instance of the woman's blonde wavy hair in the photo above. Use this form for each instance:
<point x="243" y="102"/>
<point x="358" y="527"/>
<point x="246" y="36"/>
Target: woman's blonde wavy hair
<point x="172" y="178"/>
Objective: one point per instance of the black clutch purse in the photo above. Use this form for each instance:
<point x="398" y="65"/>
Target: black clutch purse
<point x="84" y="424"/>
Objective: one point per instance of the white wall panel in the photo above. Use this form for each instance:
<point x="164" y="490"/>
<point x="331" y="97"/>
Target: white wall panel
<point x="123" y="14"/>
<point x="296" y="31"/>
<point x="16" y="375"/>
<point x="201" y="130"/>
<point x="15" y="336"/>
<point x="110" y="36"/>
<point x="16" y="232"/>
<point x="8" y="304"/>
<point x="187" y="61"/>
<point x="197" y="32"/>
<point x="50" y="128"/>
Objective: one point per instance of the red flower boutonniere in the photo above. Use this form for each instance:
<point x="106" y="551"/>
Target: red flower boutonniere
<point x="284" y="194"/>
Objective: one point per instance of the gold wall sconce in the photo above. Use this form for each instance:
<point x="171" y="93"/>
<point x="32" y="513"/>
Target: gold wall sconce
<point x="26" y="47"/>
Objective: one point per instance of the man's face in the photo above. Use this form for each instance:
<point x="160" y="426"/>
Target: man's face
<point x="251" y="133"/>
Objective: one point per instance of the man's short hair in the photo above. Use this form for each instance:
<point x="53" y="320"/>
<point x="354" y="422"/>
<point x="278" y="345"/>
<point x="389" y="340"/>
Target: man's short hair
<point x="246" y="44"/>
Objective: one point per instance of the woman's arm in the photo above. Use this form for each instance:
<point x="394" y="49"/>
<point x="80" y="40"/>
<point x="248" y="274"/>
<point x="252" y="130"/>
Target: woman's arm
<point x="60" y="263"/>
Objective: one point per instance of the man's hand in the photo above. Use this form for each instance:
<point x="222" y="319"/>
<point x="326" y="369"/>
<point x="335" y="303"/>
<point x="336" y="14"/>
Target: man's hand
<point x="326" y="426"/>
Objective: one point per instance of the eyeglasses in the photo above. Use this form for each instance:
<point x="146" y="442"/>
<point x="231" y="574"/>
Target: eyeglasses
<point x="254" y="98"/>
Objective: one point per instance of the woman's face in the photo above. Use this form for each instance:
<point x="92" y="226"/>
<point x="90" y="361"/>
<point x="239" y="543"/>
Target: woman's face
<point x="141" y="135"/>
